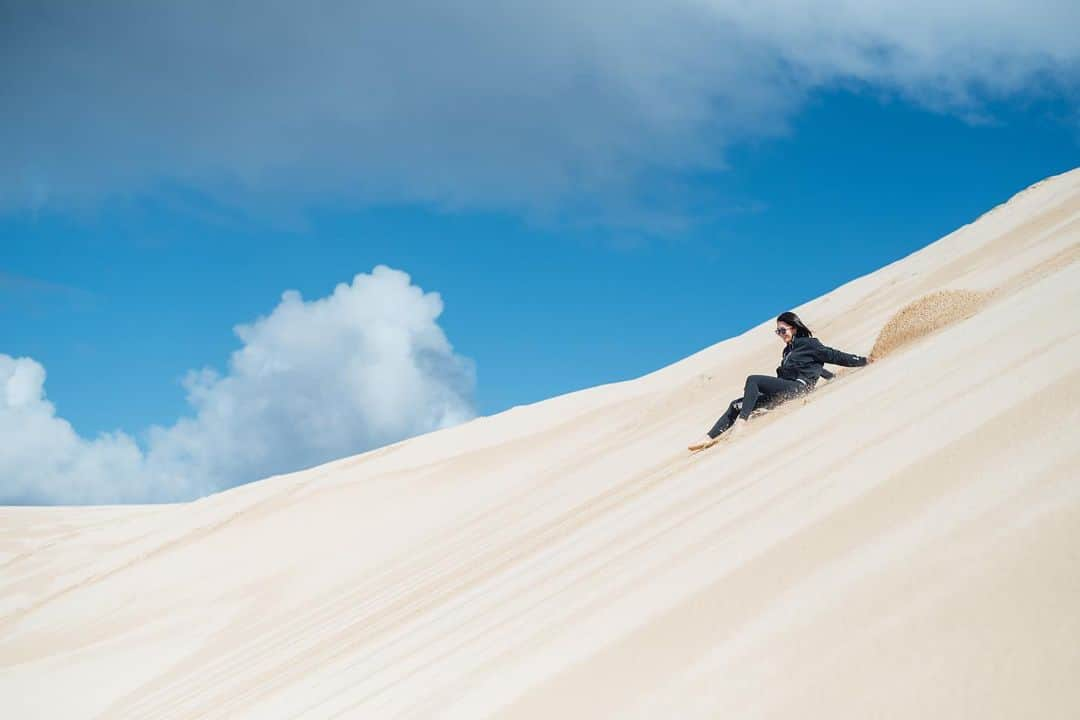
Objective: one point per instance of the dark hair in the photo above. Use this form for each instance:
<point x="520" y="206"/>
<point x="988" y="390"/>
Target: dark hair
<point x="793" y="320"/>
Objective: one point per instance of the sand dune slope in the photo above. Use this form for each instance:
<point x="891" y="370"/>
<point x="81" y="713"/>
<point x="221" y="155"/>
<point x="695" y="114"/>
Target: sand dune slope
<point x="904" y="544"/>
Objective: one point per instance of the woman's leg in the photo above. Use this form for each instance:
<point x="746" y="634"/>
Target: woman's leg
<point x="760" y="388"/>
<point x="727" y="418"/>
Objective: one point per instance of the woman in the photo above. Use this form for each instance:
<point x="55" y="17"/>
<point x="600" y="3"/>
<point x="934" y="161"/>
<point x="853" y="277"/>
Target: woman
<point x="799" y="370"/>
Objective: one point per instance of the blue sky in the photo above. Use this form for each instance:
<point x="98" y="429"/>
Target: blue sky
<point x="118" y="286"/>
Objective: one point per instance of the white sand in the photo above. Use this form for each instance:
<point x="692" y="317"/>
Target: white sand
<point x="904" y="545"/>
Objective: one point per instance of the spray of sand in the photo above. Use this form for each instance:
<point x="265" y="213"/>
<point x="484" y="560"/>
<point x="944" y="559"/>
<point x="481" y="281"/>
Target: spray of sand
<point x="926" y="315"/>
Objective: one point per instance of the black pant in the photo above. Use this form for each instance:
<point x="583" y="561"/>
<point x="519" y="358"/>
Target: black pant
<point x="760" y="391"/>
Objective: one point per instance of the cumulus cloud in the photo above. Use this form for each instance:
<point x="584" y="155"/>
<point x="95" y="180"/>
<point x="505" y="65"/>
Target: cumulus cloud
<point x="527" y="105"/>
<point x="313" y="381"/>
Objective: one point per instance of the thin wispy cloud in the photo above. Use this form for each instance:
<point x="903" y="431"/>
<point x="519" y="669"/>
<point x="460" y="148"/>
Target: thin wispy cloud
<point x="14" y="283"/>
<point x="540" y="107"/>
<point x="314" y="380"/>
<point x="24" y="293"/>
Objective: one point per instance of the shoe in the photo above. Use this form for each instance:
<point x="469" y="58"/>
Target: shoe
<point x="737" y="428"/>
<point x="705" y="442"/>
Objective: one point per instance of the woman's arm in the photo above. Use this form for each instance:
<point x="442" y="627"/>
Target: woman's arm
<point x="835" y="357"/>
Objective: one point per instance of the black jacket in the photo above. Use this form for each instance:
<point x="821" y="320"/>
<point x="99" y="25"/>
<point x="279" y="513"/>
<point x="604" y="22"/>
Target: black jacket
<point x="804" y="357"/>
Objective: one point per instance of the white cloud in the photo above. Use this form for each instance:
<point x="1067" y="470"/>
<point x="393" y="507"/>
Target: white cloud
<point x="534" y="106"/>
<point x="315" y="380"/>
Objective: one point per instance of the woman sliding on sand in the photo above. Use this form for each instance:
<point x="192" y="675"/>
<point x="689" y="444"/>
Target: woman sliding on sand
<point x="799" y="370"/>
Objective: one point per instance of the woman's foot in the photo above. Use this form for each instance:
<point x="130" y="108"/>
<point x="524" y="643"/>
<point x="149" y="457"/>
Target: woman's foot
<point x="703" y="443"/>
<point x="737" y="427"/>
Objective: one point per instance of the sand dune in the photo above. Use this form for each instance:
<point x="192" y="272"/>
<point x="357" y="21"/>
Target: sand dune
<point x="903" y="544"/>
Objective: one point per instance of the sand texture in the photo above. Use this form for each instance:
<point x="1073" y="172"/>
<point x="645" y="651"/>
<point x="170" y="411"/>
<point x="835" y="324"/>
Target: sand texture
<point x="903" y="544"/>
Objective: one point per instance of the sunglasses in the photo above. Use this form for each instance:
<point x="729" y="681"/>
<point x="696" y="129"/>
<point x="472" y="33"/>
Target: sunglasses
<point x="782" y="331"/>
